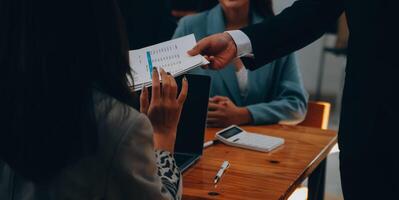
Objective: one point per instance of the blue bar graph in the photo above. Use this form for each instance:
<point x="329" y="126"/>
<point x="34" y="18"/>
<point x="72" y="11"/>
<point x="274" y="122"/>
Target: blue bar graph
<point x="149" y="62"/>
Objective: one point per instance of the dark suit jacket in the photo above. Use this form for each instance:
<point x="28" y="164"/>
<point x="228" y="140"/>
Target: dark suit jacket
<point x="366" y="138"/>
<point x="147" y="21"/>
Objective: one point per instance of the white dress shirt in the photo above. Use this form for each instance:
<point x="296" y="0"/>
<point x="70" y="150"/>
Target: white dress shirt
<point x="242" y="80"/>
<point x="244" y="47"/>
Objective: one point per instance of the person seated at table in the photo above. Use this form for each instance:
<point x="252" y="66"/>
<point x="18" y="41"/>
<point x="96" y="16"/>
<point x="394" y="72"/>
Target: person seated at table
<point x="272" y="94"/>
<point x="69" y="129"/>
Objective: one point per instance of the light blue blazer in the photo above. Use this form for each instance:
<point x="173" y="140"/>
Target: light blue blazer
<point x="275" y="91"/>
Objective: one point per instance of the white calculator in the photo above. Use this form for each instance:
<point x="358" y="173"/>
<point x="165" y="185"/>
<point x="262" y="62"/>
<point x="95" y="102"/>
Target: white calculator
<point x="235" y="136"/>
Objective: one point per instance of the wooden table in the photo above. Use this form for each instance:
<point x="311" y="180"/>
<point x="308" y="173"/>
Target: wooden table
<point x="258" y="175"/>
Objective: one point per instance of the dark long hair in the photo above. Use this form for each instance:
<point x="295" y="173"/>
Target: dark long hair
<point x="262" y="7"/>
<point x="52" y="53"/>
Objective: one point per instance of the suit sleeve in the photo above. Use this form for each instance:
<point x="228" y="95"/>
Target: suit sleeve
<point x="139" y="172"/>
<point x="289" y="102"/>
<point x="294" y="28"/>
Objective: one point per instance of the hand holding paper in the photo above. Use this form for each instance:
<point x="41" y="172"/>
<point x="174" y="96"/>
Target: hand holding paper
<point x="164" y="108"/>
<point x="170" y="55"/>
<point x="220" y="49"/>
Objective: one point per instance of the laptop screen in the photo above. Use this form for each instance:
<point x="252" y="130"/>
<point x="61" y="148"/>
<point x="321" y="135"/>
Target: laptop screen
<point x="191" y="129"/>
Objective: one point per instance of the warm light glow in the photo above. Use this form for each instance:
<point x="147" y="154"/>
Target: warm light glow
<point x="335" y="149"/>
<point x="299" y="194"/>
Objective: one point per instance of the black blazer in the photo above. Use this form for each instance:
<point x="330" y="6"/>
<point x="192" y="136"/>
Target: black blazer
<point x="367" y="137"/>
<point x="371" y="78"/>
<point x="372" y="27"/>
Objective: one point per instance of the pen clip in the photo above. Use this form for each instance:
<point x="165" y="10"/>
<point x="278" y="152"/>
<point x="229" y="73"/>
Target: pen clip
<point x="225" y="165"/>
<point x="222" y="169"/>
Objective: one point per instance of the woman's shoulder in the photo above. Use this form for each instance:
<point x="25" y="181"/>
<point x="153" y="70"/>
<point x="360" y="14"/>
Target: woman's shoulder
<point x="105" y="104"/>
<point x="194" y="24"/>
<point x="195" y="19"/>
<point x="117" y="126"/>
<point x="116" y="120"/>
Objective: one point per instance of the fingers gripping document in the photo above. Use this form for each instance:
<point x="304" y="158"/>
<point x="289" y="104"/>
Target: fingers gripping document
<point x="170" y="55"/>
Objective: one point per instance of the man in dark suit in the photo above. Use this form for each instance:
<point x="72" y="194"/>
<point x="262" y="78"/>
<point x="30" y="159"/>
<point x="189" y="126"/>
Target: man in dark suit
<point x="369" y="159"/>
<point x="148" y="22"/>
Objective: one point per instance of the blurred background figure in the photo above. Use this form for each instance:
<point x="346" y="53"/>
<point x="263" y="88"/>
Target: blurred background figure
<point x="181" y="8"/>
<point x="272" y="94"/>
<point x="147" y="22"/>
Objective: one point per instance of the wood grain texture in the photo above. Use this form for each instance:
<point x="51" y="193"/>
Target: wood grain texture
<point x="257" y="175"/>
<point x="318" y="115"/>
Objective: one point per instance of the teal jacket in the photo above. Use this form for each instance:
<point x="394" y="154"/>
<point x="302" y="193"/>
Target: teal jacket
<point x="275" y="91"/>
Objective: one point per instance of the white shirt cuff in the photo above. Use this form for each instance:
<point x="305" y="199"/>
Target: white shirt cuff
<point x="244" y="47"/>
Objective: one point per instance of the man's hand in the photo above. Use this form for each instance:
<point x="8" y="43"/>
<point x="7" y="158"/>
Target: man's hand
<point x="218" y="49"/>
<point x="222" y="112"/>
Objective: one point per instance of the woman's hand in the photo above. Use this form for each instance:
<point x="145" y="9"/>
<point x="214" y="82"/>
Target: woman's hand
<point x="164" y="109"/>
<point x="222" y="112"/>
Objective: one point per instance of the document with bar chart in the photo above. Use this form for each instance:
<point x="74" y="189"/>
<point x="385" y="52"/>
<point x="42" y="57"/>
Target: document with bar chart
<point x="170" y="55"/>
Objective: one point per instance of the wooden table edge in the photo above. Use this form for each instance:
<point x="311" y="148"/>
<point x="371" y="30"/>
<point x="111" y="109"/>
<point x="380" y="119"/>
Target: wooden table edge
<point x="312" y="166"/>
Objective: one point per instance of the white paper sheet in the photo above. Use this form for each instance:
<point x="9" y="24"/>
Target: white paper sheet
<point x="170" y="55"/>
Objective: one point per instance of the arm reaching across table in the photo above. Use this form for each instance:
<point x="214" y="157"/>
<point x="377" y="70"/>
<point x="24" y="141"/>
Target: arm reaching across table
<point x="297" y="26"/>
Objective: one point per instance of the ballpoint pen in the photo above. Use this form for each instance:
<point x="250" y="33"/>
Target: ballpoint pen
<point x="219" y="174"/>
<point x="210" y="142"/>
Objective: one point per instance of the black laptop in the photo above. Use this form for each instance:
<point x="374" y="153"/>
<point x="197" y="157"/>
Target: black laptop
<point x="191" y="129"/>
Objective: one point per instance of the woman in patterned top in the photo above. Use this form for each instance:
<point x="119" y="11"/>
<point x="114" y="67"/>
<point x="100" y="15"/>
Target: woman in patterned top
<point x="69" y="127"/>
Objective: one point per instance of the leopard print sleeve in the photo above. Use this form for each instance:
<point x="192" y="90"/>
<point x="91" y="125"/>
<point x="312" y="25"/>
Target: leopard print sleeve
<point x="169" y="173"/>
